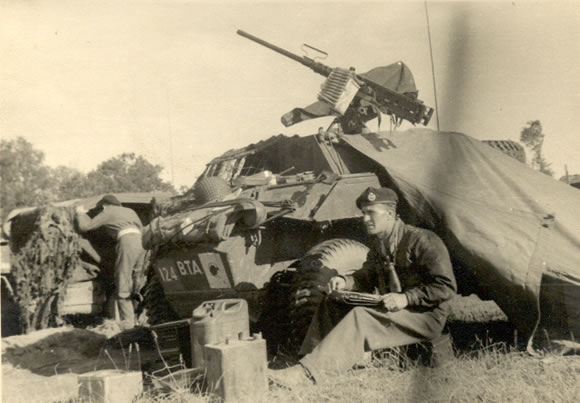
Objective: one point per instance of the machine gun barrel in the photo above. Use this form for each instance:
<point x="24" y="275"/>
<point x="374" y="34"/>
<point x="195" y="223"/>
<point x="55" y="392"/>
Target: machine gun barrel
<point x="382" y="98"/>
<point x="306" y="61"/>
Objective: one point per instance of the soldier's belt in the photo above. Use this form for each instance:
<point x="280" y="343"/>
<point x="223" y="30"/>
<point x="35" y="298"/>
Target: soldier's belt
<point x="126" y="231"/>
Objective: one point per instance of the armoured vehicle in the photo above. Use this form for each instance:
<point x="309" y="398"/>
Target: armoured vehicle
<point x="253" y="229"/>
<point x="572" y="180"/>
<point x="273" y="221"/>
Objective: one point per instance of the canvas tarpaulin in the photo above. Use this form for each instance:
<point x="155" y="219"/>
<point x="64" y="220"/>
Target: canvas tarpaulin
<point x="517" y="230"/>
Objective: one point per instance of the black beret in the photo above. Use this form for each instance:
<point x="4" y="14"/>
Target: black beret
<point x="377" y="196"/>
<point x="109" y="199"/>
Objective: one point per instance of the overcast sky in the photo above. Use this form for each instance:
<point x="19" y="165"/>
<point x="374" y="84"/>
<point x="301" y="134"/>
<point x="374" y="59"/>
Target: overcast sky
<point x="84" y="81"/>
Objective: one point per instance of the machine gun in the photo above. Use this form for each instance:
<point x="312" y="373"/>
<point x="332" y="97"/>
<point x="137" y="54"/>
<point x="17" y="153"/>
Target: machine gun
<point x="357" y="96"/>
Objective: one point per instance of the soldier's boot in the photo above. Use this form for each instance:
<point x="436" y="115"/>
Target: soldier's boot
<point x="110" y="308"/>
<point x="435" y="353"/>
<point x="291" y="377"/>
<point x="442" y="351"/>
<point x="126" y="313"/>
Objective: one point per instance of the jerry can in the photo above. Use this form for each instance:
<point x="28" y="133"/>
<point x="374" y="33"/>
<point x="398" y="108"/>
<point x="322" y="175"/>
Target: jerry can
<point x="216" y="322"/>
<point x="237" y="370"/>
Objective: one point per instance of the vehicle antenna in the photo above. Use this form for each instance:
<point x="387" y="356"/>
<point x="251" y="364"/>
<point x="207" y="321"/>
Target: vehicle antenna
<point x="169" y="129"/>
<point x="432" y="65"/>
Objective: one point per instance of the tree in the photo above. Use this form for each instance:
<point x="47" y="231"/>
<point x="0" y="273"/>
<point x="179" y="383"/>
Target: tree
<point x="533" y="138"/>
<point x="70" y="183"/>
<point x="127" y="173"/>
<point x="26" y="181"/>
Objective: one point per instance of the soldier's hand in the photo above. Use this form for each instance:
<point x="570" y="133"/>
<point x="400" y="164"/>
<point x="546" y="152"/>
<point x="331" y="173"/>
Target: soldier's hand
<point x="80" y="209"/>
<point x="337" y="283"/>
<point x="395" y="302"/>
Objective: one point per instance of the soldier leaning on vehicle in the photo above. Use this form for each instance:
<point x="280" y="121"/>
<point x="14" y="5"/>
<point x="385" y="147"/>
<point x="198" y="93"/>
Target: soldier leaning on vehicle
<point x="123" y="226"/>
<point x="412" y="271"/>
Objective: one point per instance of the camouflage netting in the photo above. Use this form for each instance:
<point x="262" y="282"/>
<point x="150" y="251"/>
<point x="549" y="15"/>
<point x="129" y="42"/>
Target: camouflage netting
<point x="45" y="251"/>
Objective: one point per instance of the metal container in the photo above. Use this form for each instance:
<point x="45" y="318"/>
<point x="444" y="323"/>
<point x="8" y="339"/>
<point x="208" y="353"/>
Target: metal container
<point x="237" y="370"/>
<point x="173" y="344"/>
<point x="216" y="322"/>
<point x="110" y="386"/>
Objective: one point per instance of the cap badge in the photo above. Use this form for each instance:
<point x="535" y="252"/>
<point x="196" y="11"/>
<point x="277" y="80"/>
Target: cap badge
<point x="371" y="196"/>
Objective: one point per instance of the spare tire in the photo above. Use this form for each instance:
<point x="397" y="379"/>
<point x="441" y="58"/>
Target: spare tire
<point x="325" y="260"/>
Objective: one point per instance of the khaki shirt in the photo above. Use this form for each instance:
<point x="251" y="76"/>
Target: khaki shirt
<point x="113" y="219"/>
<point x="421" y="262"/>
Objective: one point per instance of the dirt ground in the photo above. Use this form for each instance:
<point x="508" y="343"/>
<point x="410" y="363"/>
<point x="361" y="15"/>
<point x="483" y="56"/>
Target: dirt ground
<point x="43" y="366"/>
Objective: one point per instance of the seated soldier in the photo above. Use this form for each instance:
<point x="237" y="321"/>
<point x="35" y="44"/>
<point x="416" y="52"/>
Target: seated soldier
<point x="412" y="271"/>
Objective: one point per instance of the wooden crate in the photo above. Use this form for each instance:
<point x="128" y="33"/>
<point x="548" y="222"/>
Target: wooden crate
<point x="84" y="297"/>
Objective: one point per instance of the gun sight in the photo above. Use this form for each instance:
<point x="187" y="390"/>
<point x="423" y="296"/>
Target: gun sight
<point x="316" y="66"/>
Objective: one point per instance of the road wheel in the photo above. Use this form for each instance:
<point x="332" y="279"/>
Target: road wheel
<point x="325" y="260"/>
<point x="157" y="308"/>
<point x="274" y="322"/>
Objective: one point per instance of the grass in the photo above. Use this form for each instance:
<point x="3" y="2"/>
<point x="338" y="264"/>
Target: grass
<point x="488" y="367"/>
<point x="493" y="375"/>
<point x="490" y="373"/>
